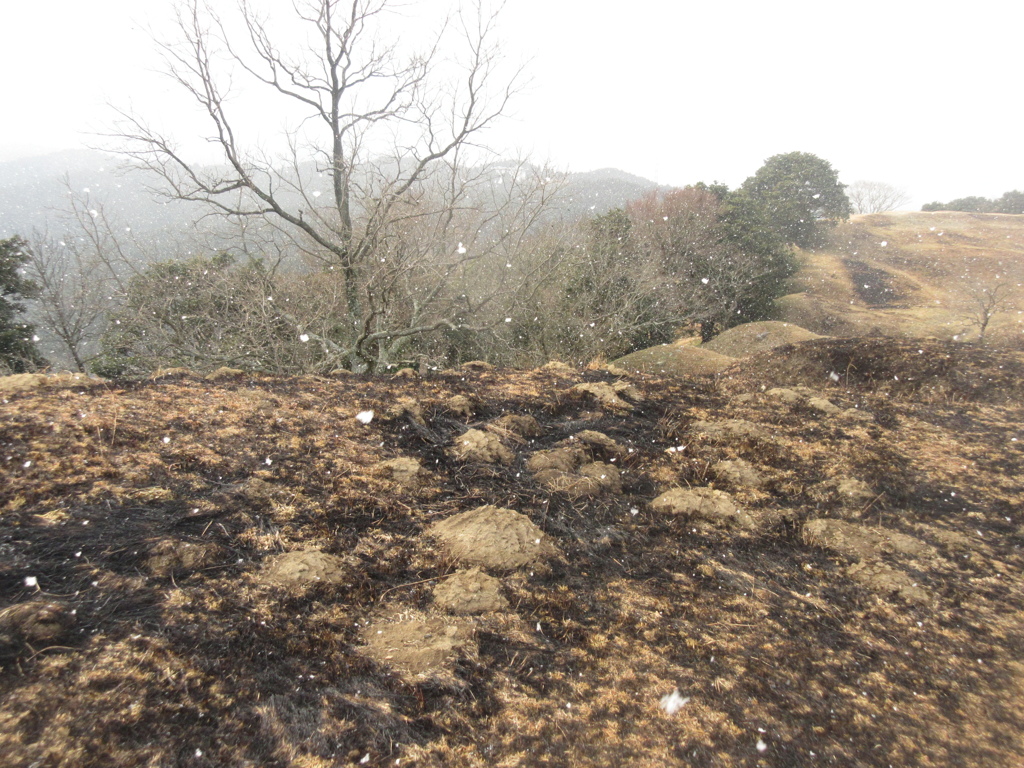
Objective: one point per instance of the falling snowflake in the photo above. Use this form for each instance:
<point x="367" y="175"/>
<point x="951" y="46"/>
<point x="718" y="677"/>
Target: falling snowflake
<point x="304" y="338"/>
<point x="673" y="702"/>
<point x="364" y="417"/>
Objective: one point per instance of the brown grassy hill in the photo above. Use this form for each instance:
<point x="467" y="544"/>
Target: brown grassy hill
<point x="750" y="338"/>
<point x="513" y="568"/>
<point x="674" y="360"/>
<point x="913" y="275"/>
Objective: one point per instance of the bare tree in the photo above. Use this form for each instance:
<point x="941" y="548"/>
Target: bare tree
<point x="382" y="183"/>
<point x="875" y="197"/>
<point x="983" y="302"/>
<point x="82" y="277"/>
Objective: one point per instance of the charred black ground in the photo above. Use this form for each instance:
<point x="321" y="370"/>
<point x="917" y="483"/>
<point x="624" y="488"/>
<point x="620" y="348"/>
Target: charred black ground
<point x="137" y="520"/>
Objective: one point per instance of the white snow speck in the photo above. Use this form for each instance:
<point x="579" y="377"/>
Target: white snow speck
<point x="884" y="243"/>
<point x="366" y="759"/>
<point x="304" y="338"/>
<point x="316" y="193"/>
<point x="167" y="439"/>
<point x="31" y="581"/>
<point x="27" y="464"/>
<point x="761" y="746"/>
<point x="834" y="376"/>
<point x="199" y="753"/>
<point x="268" y="461"/>
<point x="461" y="249"/>
<point x="634" y="511"/>
<point x="364" y="417"/>
<point x="673" y="702"/>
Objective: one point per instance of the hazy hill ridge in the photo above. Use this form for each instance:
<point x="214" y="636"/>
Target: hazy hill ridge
<point x="33" y="193"/>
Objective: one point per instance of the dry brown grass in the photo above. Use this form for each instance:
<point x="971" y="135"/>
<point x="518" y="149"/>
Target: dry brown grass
<point x="910" y="274"/>
<point x="767" y="635"/>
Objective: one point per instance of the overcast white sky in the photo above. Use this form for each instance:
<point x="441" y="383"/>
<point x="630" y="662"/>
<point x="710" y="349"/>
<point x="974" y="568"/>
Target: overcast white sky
<point x="922" y="95"/>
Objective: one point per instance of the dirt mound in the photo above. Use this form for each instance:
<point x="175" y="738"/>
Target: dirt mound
<point x="419" y="648"/>
<point x="495" y="538"/>
<point x="738" y="473"/>
<point x="716" y="507"/>
<point x="522" y="425"/>
<point x="484" y="447"/>
<point x="729" y="431"/>
<point x="304" y="567"/>
<point x="751" y="338"/>
<point x="862" y="542"/>
<point x="920" y="368"/>
<point x="174" y="556"/>
<point x="570" y="467"/>
<point x="471" y="591"/>
<point x="407" y="472"/>
<point x="616" y="397"/>
<point x="671" y="360"/>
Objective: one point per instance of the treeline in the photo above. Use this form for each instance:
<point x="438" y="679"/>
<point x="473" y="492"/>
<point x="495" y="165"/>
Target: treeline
<point x="516" y="284"/>
<point x="1010" y="202"/>
<point x="377" y="234"/>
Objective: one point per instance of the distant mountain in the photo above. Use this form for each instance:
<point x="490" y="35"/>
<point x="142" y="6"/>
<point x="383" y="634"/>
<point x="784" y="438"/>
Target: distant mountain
<point x="34" y="194"/>
<point x="592" y="193"/>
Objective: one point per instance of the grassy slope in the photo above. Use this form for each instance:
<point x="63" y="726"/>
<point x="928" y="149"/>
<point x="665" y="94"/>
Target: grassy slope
<point x="918" y="282"/>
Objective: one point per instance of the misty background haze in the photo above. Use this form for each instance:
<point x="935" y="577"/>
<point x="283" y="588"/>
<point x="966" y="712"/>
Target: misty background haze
<point x="482" y="169"/>
<point x="920" y="96"/>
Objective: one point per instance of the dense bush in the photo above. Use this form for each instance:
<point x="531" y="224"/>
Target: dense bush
<point x="204" y="313"/>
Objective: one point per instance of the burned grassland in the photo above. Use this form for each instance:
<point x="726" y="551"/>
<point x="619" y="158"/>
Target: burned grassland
<point x="494" y="567"/>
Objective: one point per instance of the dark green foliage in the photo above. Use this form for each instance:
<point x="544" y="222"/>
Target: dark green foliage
<point x="797" y="195"/>
<point x="1010" y="202"/>
<point x="973" y="204"/>
<point x="18" y="352"/>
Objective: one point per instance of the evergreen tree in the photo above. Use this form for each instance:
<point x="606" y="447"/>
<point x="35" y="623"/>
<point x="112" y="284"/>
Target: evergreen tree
<point x="18" y="352"/>
<point x="798" y="195"/>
